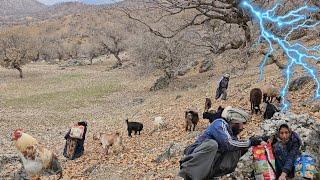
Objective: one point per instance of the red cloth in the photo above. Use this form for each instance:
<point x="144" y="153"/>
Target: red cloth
<point x="261" y="155"/>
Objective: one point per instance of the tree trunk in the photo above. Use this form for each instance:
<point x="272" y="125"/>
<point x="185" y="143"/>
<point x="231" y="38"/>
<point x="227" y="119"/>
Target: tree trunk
<point x="247" y="34"/>
<point x="37" y="57"/>
<point x="60" y="56"/>
<point x="119" y="61"/>
<point x="19" y="69"/>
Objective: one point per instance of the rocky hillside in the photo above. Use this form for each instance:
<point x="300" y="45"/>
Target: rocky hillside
<point x="18" y="7"/>
<point x="23" y="12"/>
<point x="105" y="98"/>
<point x="97" y="2"/>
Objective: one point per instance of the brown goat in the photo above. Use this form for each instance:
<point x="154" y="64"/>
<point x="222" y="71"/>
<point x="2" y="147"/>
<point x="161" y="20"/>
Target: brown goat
<point x="207" y="105"/>
<point x="110" y="139"/>
<point x="191" y="117"/>
<point x="255" y="100"/>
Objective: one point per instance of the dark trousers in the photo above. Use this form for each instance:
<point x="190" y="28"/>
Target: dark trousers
<point x="206" y="162"/>
<point x="225" y="163"/>
<point x="223" y="92"/>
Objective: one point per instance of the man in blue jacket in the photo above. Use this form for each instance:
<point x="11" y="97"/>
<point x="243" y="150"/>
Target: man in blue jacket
<point x="217" y="151"/>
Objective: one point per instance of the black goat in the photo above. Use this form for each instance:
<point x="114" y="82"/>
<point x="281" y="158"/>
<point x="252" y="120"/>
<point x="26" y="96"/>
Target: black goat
<point x="134" y="126"/>
<point x="191" y="117"/>
<point x="213" y="115"/>
<point x="270" y="110"/>
<point x="255" y="100"/>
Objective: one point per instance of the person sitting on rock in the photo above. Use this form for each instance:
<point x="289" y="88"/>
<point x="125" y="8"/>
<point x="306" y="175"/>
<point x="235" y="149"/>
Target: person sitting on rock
<point x="217" y="151"/>
<point x="285" y="145"/>
<point x="222" y="88"/>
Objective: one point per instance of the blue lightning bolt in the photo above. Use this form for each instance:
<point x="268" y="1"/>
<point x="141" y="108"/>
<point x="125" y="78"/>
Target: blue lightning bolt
<point x="296" y="53"/>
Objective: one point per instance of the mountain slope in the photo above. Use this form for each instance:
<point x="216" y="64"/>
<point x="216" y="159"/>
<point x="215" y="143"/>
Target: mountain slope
<point x="18" y="7"/>
<point x="98" y="2"/>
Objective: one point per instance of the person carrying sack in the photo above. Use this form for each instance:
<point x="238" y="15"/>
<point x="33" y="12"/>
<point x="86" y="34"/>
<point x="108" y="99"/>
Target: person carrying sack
<point x="75" y="138"/>
<point x="217" y="151"/>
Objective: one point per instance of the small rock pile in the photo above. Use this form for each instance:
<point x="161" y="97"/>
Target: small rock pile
<point x="307" y="128"/>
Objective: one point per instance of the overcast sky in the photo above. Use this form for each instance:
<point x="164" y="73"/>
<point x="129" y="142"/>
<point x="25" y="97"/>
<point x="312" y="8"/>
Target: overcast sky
<point x="50" y="2"/>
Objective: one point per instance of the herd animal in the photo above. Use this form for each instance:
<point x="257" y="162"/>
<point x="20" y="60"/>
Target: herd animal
<point x="270" y="92"/>
<point x="108" y="140"/>
<point x="267" y="94"/>
<point x="191" y="118"/>
<point x="134" y="126"/>
<point x="255" y="100"/>
<point x="270" y="111"/>
<point x="37" y="159"/>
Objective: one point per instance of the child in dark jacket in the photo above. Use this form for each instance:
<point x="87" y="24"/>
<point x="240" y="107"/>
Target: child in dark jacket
<point x="285" y="144"/>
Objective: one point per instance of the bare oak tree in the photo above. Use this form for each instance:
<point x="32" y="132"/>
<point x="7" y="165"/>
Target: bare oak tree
<point x="113" y="43"/>
<point x="91" y="50"/>
<point x="16" y="51"/>
<point x="197" y="14"/>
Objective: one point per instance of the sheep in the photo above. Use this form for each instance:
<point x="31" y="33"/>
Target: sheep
<point x="108" y="140"/>
<point x="270" y="110"/>
<point x="270" y="92"/>
<point x="191" y="117"/>
<point x="134" y="126"/>
<point x="213" y="115"/>
<point x="255" y="100"/>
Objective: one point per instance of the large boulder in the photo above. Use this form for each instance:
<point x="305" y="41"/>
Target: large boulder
<point x="299" y="82"/>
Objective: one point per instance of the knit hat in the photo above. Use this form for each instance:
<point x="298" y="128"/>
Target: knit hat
<point x="235" y="115"/>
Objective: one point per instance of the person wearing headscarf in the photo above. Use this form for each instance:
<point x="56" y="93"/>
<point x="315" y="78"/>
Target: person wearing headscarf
<point x="217" y="151"/>
<point x="79" y="143"/>
<point x="222" y="88"/>
<point x="285" y="145"/>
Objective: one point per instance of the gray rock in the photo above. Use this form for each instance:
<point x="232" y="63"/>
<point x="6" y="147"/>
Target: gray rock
<point x="205" y="66"/>
<point x="189" y="86"/>
<point x="315" y="108"/>
<point x="173" y="150"/>
<point x="183" y="71"/>
<point x="193" y="134"/>
<point x="138" y="100"/>
<point x="161" y="83"/>
<point x="90" y="170"/>
<point x="178" y="96"/>
<point x="299" y="82"/>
